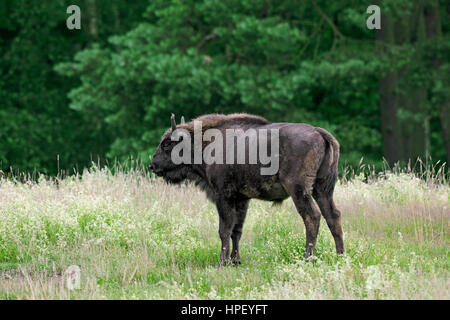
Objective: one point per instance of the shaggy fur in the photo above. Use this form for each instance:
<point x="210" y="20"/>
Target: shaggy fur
<point x="216" y="120"/>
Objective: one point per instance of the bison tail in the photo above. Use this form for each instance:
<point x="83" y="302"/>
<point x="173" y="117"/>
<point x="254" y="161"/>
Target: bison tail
<point x="328" y="171"/>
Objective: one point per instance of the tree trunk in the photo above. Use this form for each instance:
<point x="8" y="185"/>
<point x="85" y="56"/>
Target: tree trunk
<point x="434" y="32"/>
<point x="444" y="113"/>
<point x="412" y="97"/>
<point x="388" y="98"/>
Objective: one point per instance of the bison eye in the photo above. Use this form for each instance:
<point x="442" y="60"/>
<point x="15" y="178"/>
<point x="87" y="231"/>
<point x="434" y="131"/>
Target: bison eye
<point x="166" y="145"/>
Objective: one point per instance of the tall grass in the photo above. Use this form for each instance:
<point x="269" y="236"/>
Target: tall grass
<point x="135" y="237"/>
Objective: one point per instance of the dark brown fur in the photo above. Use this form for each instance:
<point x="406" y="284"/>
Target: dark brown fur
<point x="307" y="171"/>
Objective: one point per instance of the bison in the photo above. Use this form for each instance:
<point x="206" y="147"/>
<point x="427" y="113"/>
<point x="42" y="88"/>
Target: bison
<point x="307" y="171"/>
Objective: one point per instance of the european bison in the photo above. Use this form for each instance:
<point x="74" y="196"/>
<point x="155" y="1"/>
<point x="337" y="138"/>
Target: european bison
<point x="307" y="159"/>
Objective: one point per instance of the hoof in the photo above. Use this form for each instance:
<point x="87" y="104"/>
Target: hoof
<point x="236" y="262"/>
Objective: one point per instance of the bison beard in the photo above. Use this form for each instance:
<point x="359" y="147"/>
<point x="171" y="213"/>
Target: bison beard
<point x="307" y="172"/>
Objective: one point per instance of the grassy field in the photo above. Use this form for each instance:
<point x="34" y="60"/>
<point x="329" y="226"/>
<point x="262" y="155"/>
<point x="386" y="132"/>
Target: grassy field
<point x="137" y="238"/>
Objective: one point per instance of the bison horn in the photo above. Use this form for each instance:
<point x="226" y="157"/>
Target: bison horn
<point x="174" y="125"/>
<point x="182" y="120"/>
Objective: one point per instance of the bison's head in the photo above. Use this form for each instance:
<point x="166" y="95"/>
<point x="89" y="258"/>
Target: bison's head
<point x="162" y="164"/>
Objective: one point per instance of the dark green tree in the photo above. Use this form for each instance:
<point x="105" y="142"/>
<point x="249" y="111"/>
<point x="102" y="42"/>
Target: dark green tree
<point x="283" y="60"/>
<point x="37" y="127"/>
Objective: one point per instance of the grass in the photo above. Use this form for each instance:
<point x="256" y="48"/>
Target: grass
<point x="138" y="238"/>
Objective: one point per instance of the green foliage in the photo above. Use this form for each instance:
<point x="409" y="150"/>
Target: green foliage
<point x="37" y="128"/>
<point x="108" y="91"/>
<point x="213" y="56"/>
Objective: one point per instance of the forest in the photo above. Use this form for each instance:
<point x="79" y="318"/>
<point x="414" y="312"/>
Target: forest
<point x="105" y="92"/>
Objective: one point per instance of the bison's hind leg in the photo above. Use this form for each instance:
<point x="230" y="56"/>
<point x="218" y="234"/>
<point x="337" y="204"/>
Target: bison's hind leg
<point x="301" y="193"/>
<point x="331" y="214"/>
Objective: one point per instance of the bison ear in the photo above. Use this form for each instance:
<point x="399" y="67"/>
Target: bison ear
<point x="182" y="120"/>
<point x="172" y="120"/>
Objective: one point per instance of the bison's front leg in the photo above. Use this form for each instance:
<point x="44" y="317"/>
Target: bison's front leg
<point x="227" y="220"/>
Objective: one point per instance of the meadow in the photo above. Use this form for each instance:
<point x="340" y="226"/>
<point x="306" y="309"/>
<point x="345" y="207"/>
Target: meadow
<point x="135" y="237"/>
